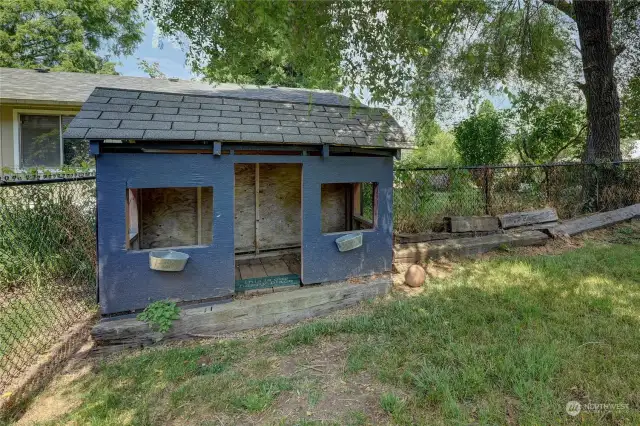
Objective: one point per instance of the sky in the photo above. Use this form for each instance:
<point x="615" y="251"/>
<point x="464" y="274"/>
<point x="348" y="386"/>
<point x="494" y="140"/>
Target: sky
<point x="170" y="57"/>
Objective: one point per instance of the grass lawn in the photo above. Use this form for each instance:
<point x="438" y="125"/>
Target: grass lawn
<point x="507" y="339"/>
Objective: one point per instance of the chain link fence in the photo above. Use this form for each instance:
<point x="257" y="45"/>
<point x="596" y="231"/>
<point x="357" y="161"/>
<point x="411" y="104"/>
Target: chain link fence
<point x="47" y="268"/>
<point x="48" y="239"/>
<point x="422" y="197"/>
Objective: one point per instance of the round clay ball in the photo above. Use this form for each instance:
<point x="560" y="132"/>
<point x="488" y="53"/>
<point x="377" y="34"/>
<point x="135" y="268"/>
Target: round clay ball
<point x="415" y="276"/>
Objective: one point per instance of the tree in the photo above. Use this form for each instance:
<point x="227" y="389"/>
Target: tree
<point x="482" y="138"/>
<point x="630" y="113"/>
<point x="247" y="42"/>
<point x="67" y="35"/>
<point x="438" y="150"/>
<point x="545" y="129"/>
<point x="424" y="52"/>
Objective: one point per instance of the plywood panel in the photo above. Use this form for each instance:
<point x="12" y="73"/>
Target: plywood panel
<point x="333" y="199"/>
<point x="280" y="205"/>
<point x="169" y="217"/>
<point x="207" y="214"/>
<point x="245" y="208"/>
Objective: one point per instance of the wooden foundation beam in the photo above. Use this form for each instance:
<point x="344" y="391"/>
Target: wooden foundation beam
<point x="512" y="220"/>
<point x="420" y="252"/>
<point x="243" y="314"/>
<point x="595" y="221"/>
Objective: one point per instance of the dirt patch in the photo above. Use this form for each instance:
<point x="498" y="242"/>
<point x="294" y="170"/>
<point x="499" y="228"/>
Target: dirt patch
<point x="436" y="269"/>
<point x="325" y="390"/>
<point x="58" y="399"/>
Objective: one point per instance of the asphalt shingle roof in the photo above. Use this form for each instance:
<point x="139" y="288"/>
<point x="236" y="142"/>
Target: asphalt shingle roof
<point x="260" y="115"/>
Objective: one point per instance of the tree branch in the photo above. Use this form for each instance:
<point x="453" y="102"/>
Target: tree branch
<point x="618" y="49"/>
<point x="571" y="141"/>
<point x="563" y="6"/>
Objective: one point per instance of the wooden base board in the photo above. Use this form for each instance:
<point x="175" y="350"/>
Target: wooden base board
<point x="217" y="320"/>
<point x="420" y="252"/>
<point x="595" y="221"/>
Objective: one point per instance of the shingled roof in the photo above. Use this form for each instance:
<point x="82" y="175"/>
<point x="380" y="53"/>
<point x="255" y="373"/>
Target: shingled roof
<point x="261" y="115"/>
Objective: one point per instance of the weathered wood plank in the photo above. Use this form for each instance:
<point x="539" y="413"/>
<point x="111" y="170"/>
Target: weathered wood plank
<point x="472" y="223"/>
<point x="276" y="308"/>
<point x="595" y="221"/>
<point x="275" y="267"/>
<point x="244" y="225"/>
<point x="537" y="226"/>
<point x="435" y="236"/>
<point x="420" y="252"/>
<point x="512" y="220"/>
<point x="334" y="208"/>
<point x="280" y="198"/>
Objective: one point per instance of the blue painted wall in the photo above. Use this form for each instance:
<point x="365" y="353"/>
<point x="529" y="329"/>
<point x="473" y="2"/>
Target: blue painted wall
<point x="321" y="260"/>
<point x="125" y="280"/>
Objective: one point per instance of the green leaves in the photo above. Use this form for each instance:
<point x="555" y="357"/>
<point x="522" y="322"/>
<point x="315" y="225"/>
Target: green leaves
<point x="160" y="315"/>
<point x="548" y="129"/>
<point x="482" y="138"/>
<point x="630" y="111"/>
<point x="67" y="35"/>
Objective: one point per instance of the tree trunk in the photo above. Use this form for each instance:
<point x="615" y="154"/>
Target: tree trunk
<point x="595" y="25"/>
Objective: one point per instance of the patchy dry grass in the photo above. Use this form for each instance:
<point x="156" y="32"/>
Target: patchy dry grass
<point x="506" y="339"/>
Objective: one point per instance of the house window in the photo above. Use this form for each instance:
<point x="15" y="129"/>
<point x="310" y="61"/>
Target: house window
<point x="348" y="206"/>
<point x="41" y="143"/>
<point x="169" y="217"/>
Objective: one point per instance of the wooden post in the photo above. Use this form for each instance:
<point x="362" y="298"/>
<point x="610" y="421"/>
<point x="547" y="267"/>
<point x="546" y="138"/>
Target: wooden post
<point x="127" y="220"/>
<point x="486" y="191"/>
<point x="357" y="198"/>
<point x="139" y="201"/>
<point x="546" y="179"/>
<point x="199" y="207"/>
<point x="257" y="191"/>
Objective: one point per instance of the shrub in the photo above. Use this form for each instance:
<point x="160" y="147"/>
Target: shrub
<point x="47" y="234"/>
<point x="482" y="138"/>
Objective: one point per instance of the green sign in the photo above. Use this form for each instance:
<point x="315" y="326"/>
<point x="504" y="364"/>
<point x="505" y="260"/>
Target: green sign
<point x="267" y="282"/>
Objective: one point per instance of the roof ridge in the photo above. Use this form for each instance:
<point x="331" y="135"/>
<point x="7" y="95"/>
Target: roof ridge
<point x="359" y="105"/>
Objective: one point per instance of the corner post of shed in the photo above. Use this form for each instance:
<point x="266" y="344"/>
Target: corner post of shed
<point x="94" y="147"/>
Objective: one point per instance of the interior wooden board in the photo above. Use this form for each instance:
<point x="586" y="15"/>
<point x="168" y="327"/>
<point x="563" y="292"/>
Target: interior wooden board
<point x="245" y="208"/>
<point x="280" y="206"/>
<point x="207" y="214"/>
<point x="333" y="207"/>
<point x="169" y="217"/>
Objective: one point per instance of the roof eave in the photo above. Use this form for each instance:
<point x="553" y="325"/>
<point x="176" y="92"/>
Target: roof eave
<point x="25" y="101"/>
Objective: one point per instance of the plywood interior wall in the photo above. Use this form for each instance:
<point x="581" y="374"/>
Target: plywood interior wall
<point x="279" y="206"/>
<point x="333" y="202"/>
<point x="169" y="217"/>
<point x="245" y="208"/>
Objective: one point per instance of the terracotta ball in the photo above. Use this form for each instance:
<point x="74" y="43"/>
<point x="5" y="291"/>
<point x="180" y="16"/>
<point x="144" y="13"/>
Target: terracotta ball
<point x="415" y="276"/>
